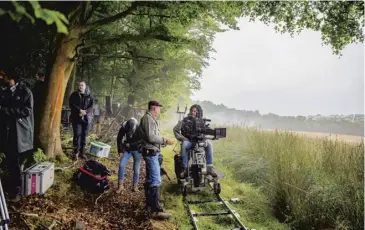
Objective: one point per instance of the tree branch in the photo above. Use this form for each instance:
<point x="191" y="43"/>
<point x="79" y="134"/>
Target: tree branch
<point x="153" y="15"/>
<point x="131" y="37"/>
<point x="84" y="6"/>
<point x="111" y="19"/>
<point x="94" y="6"/>
<point x="124" y="57"/>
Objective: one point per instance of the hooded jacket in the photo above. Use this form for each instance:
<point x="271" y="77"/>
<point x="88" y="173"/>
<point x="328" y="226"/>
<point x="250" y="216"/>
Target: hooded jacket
<point x="129" y="133"/>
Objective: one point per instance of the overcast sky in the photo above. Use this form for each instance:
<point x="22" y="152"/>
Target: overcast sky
<point x="259" y="69"/>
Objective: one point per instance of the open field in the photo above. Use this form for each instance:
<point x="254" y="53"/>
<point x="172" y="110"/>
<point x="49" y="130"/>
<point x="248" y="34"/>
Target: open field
<point x="303" y="182"/>
<point x="333" y="137"/>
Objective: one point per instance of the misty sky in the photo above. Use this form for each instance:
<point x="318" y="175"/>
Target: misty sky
<point x="259" y="69"/>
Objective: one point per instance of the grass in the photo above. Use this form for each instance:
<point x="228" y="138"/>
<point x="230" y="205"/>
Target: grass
<point x="254" y="207"/>
<point x="283" y="181"/>
<point x="311" y="183"/>
<point x="303" y="182"/>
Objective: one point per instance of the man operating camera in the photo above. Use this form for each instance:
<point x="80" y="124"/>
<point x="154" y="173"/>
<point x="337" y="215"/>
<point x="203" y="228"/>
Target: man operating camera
<point x="185" y="131"/>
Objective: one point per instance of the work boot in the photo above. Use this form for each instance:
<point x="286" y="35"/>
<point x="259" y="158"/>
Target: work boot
<point x="161" y="215"/>
<point x="15" y="198"/>
<point x="75" y="156"/>
<point x="120" y="186"/>
<point x="157" y="211"/>
<point x="82" y="154"/>
<point x="210" y="171"/>
<point x="147" y="196"/>
<point x="135" y="188"/>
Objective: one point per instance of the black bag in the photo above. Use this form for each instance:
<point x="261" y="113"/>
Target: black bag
<point x="93" y="177"/>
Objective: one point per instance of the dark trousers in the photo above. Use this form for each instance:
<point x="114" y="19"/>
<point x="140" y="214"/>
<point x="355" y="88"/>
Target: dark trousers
<point x="13" y="161"/>
<point x="80" y="131"/>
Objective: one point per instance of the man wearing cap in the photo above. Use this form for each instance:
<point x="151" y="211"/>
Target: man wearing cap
<point x="16" y="130"/>
<point x="151" y="147"/>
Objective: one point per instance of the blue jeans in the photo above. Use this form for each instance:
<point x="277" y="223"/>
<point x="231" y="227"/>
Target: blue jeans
<point x="185" y="147"/>
<point x="136" y="163"/>
<point x="153" y="176"/>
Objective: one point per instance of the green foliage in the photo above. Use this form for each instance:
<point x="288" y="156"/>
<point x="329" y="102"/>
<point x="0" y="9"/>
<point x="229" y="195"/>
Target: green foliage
<point x="160" y="50"/>
<point x="39" y="156"/>
<point x="19" y="11"/>
<point x="2" y="157"/>
<point x="340" y="22"/>
<point x="50" y="17"/>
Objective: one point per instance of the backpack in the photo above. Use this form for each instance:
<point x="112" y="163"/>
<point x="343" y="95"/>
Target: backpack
<point x="92" y="177"/>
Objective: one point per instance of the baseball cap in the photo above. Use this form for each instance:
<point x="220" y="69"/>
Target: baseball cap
<point x="154" y="103"/>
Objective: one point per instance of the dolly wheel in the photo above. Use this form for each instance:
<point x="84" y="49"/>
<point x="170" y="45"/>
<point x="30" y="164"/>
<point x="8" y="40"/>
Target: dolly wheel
<point x="217" y="188"/>
<point x="184" y="190"/>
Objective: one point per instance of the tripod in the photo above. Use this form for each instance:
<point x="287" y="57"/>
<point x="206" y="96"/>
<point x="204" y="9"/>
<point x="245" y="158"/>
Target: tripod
<point x="4" y="210"/>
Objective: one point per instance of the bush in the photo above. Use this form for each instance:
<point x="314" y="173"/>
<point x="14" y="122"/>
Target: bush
<point x="39" y="156"/>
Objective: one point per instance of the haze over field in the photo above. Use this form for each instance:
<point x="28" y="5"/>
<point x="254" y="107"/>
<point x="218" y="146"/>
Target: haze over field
<point x="283" y="75"/>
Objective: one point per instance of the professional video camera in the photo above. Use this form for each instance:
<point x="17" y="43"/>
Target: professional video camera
<point x="196" y="176"/>
<point x="202" y="129"/>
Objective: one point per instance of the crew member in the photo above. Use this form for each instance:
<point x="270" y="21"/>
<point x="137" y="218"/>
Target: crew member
<point x="152" y="141"/>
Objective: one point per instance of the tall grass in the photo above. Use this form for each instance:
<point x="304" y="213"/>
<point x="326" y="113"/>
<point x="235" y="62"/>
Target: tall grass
<point x="311" y="183"/>
<point x="254" y="206"/>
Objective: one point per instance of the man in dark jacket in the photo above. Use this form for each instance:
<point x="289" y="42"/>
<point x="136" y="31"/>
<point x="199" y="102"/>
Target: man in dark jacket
<point x="81" y="104"/>
<point x="16" y="130"/>
<point x="129" y="143"/>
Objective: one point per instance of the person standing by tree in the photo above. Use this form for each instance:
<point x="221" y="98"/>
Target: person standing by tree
<point x="152" y="141"/>
<point x="16" y="130"/>
<point x="81" y="104"/>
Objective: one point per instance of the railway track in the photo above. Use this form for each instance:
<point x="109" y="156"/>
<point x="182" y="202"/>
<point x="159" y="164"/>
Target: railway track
<point x="218" y="199"/>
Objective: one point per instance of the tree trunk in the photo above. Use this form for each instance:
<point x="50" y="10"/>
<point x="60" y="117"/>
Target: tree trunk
<point x="112" y="88"/>
<point x="49" y="136"/>
<point x="131" y="101"/>
<point x="71" y="84"/>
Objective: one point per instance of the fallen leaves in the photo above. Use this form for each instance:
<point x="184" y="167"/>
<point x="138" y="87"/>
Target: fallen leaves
<point x="112" y="211"/>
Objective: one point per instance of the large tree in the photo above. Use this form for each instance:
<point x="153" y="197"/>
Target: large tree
<point x="340" y="23"/>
